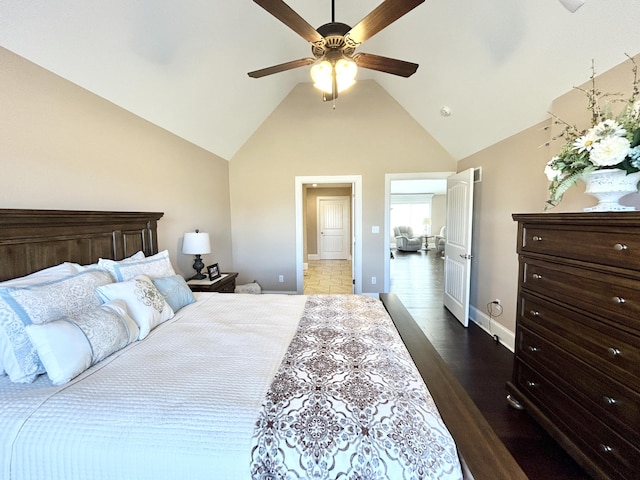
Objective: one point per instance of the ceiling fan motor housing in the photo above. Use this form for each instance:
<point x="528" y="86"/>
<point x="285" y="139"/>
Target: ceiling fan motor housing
<point x="334" y="41"/>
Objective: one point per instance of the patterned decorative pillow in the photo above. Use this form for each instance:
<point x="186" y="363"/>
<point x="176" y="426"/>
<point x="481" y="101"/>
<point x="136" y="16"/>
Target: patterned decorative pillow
<point x="40" y="304"/>
<point x="156" y="266"/>
<point x="175" y="291"/>
<point x="67" y="347"/>
<point x="145" y="303"/>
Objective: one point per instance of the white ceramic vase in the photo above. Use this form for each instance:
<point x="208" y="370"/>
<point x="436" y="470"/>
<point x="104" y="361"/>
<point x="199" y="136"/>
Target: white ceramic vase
<point x="609" y="186"/>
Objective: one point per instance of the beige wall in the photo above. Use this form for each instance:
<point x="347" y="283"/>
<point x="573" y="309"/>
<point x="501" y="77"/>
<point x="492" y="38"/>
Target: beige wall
<point x="438" y="213"/>
<point x="513" y="182"/>
<point x="311" y="207"/>
<point x="367" y="134"/>
<point x="62" y="147"/>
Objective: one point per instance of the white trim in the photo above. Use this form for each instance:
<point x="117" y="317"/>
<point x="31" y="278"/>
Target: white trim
<point x="489" y="325"/>
<point x="356" y="182"/>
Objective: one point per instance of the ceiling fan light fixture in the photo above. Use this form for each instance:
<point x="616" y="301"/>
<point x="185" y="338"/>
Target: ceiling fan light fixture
<point x="345" y="71"/>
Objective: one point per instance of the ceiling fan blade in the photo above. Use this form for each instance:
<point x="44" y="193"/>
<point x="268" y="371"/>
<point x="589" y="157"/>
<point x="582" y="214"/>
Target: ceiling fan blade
<point x="281" y="67"/>
<point x="291" y="19"/>
<point x="384" y="64"/>
<point x="382" y="16"/>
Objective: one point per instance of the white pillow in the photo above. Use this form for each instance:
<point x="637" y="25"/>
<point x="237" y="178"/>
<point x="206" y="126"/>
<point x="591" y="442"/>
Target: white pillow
<point x="135" y="256"/>
<point x="69" y="346"/>
<point x="156" y="266"/>
<point x="42" y="276"/>
<point x="145" y="303"/>
<point x="40" y="304"/>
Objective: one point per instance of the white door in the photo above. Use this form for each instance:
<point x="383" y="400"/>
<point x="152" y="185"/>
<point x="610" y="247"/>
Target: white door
<point x="334" y="228"/>
<point x="457" y="250"/>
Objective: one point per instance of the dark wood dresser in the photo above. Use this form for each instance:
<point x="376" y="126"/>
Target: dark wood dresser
<point x="577" y="358"/>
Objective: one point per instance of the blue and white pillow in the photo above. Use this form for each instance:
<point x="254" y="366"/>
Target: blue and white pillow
<point x="40" y="304"/>
<point x="145" y="303"/>
<point x="175" y="291"/>
<point x="156" y="266"/>
<point x="67" y="347"/>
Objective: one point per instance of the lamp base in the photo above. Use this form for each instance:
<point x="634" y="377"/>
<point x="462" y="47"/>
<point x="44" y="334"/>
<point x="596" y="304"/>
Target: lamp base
<point x="198" y="265"/>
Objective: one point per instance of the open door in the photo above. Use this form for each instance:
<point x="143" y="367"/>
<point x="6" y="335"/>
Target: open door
<point x="457" y="260"/>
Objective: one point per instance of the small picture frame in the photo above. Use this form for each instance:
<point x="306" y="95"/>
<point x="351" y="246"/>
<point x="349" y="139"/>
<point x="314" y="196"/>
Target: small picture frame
<point x="214" y="271"/>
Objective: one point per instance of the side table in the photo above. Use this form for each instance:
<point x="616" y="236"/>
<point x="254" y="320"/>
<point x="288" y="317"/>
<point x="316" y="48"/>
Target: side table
<point x="226" y="283"/>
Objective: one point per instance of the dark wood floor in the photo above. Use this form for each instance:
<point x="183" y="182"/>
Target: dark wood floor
<point x="481" y="365"/>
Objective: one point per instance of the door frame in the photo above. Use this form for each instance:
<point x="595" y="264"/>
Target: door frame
<point x="388" y="177"/>
<point x="356" y="222"/>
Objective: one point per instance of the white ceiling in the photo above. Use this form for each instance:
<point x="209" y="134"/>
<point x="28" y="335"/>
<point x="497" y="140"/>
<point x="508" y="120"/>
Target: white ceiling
<point x="497" y="64"/>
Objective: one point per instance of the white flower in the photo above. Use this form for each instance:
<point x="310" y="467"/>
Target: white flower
<point x="608" y="127"/>
<point x="609" y="151"/>
<point x="551" y="172"/>
<point x="585" y="142"/>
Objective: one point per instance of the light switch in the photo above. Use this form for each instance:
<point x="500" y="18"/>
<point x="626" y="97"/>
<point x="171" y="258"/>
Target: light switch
<point x="375" y="229"/>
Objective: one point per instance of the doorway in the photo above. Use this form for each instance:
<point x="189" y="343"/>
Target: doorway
<point x="306" y="241"/>
<point x="424" y="183"/>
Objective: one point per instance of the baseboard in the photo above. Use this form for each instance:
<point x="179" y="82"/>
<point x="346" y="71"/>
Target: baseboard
<point x="313" y="256"/>
<point x="505" y="336"/>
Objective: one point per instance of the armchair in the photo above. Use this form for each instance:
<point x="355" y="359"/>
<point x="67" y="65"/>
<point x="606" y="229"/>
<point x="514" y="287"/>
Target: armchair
<point x="405" y="241"/>
<point x="441" y="240"/>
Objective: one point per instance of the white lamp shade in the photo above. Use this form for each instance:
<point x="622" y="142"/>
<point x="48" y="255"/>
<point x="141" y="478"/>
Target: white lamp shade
<point x="196" y="243"/>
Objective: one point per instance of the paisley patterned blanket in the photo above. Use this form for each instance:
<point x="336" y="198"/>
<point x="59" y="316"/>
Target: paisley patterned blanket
<point x="348" y="403"/>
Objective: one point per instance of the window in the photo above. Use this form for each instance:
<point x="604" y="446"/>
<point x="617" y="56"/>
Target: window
<point x="413" y="210"/>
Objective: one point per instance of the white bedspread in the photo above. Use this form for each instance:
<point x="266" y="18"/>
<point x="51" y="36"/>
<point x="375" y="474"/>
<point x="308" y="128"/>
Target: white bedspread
<point x="145" y="412"/>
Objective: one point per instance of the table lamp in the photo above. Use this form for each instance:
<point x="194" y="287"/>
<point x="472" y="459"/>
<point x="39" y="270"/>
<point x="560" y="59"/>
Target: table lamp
<point x="196" y="243"/>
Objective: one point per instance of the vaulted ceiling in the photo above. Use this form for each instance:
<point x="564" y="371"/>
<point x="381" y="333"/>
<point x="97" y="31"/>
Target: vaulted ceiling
<point x="496" y="64"/>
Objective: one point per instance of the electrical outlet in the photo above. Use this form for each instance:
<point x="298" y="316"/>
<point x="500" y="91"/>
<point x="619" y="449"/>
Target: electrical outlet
<point x="373" y="280"/>
<point x="281" y="278"/>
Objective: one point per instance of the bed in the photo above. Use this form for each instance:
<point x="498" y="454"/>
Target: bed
<point x="226" y="386"/>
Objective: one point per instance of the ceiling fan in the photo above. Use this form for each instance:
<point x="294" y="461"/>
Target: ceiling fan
<point x="333" y="45"/>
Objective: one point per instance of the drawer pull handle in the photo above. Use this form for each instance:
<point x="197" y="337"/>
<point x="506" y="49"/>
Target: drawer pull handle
<point x="537" y="276"/>
<point x="620" y="247"/>
<point x="614" y="351"/>
<point x="533" y="349"/>
<point x="605" y="448"/>
<point x="537" y="238"/>
<point x="531" y="384"/>
<point x="619" y="300"/>
<point x="609" y="400"/>
<point x="534" y="313"/>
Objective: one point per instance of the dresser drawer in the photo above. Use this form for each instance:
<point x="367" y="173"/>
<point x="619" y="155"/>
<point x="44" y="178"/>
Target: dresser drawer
<point x="613" y="298"/>
<point x="615" y="248"/>
<point x="608" y="349"/>
<point x="599" y="443"/>
<point x="608" y="398"/>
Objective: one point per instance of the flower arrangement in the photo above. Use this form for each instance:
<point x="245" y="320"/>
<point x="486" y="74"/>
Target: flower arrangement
<point x="612" y="141"/>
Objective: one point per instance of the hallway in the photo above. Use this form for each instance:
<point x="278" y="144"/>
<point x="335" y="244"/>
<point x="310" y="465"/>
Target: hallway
<point x="328" y="276"/>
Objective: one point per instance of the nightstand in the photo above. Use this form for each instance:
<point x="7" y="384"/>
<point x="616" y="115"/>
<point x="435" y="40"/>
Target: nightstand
<point x="226" y="283"/>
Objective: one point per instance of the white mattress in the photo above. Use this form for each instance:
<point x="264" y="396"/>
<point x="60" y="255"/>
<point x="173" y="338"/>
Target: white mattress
<point x="150" y="405"/>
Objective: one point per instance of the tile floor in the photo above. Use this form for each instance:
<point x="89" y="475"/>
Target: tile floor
<point x="328" y="276"/>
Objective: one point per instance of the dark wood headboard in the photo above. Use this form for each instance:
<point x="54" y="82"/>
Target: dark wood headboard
<point x="31" y="240"/>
